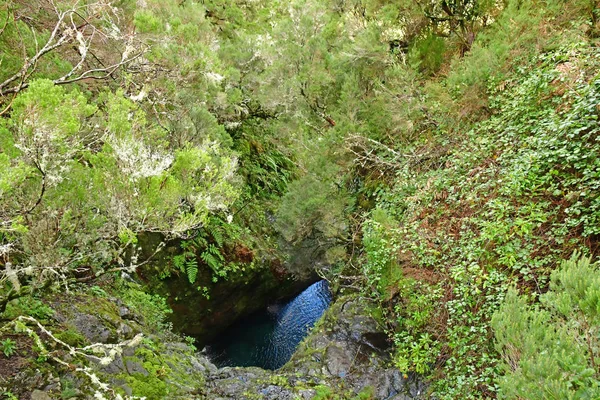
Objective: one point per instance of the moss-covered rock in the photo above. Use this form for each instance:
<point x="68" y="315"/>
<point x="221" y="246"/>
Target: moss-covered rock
<point x="344" y="357"/>
<point x="55" y="357"/>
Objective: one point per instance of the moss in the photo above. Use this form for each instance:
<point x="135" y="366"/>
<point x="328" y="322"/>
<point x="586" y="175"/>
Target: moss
<point x="168" y="371"/>
<point x="72" y="337"/>
<point x="366" y="393"/>
<point x="325" y="393"/>
<point x="252" y="396"/>
<point x="148" y="386"/>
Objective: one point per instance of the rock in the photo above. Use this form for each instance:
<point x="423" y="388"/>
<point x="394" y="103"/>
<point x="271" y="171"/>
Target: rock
<point x="307" y="394"/>
<point x="125" y="313"/>
<point x="337" y="361"/>
<point x="125" y="331"/>
<point x="93" y="329"/>
<point x="39" y="395"/>
<point x="115" y="367"/>
<point x="134" y="367"/>
<point x="346" y="352"/>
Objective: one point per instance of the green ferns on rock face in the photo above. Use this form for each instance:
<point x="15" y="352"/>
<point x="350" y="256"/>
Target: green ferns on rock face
<point x="552" y="350"/>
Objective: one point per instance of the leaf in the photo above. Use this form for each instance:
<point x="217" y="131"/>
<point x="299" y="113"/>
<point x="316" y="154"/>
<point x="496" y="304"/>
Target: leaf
<point x="191" y="268"/>
<point x="213" y="262"/>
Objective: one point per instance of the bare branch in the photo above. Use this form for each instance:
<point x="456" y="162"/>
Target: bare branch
<point x="8" y="14"/>
<point x="89" y="74"/>
<point x="52" y="43"/>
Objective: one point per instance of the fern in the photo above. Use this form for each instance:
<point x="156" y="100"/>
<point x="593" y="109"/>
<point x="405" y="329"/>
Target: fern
<point x="179" y="262"/>
<point x="188" y="264"/>
<point x="215" y="230"/>
<point x="211" y="261"/>
<point x="213" y="258"/>
<point x="191" y="268"/>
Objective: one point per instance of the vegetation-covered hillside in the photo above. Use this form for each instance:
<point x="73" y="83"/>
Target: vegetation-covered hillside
<point x="444" y="156"/>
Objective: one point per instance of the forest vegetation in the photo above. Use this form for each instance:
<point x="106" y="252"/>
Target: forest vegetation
<point x="444" y="153"/>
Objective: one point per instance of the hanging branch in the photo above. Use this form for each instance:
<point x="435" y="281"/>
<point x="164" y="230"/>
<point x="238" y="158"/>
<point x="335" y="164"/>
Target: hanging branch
<point x="66" y="31"/>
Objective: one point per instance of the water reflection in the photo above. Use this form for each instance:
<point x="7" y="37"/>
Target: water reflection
<point x="268" y="339"/>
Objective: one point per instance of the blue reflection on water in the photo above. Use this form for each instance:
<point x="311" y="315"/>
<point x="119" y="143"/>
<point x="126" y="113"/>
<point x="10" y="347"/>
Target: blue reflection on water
<point x="268" y="339"/>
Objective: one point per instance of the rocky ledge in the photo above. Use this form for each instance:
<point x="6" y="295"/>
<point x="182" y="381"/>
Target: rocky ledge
<point x="344" y="357"/>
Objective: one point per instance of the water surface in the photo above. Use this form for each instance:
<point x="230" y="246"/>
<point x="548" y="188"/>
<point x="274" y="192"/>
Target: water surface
<point x="268" y="338"/>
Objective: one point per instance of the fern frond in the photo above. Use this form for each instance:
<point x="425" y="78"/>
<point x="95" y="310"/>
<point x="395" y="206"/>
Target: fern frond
<point x="191" y="268"/>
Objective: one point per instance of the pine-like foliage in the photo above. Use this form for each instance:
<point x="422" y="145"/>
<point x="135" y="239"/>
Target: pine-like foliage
<point x="552" y="351"/>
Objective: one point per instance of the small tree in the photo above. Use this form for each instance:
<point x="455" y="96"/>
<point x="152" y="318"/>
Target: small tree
<point x="80" y="181"/>
<point x="552" y="350"/>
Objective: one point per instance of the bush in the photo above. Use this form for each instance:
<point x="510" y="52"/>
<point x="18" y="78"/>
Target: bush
<point x="551" y="350"/>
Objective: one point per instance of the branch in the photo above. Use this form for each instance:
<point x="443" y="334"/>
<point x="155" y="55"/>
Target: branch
<point x="109" y="71"/>
<point x="88" y="74"/>
<point x="42" y="191"/>
<point x="50" y="45"/>
<point x="66" y="32"/>
<point x="8" y="13"/>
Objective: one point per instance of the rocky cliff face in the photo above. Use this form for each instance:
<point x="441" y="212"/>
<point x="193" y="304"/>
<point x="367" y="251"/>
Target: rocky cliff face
<point x="203" y="314"/>
<point x="343" y="357"/>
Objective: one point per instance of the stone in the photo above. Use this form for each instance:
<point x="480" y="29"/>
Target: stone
<point x="337" y="361"/>
<point x="133" y="367"/>
<point x="125" y="313"/>
<point x="39" y="395"/>
<point x="115" y="367"/>
<point x="347" y="352"/>
<point x="125" y="331"/>
<point x="94" y="329"/>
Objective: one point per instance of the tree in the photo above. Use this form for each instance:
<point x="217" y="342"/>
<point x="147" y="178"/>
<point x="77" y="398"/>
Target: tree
<point x="62" y="41"/>
<point x="81" y="180"/>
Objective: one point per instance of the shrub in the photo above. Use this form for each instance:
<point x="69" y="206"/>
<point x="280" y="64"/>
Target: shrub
<point x="551" y="350"/>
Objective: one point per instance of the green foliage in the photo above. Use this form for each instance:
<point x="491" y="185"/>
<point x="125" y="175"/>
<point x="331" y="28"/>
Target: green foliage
<point x="146" y="22"/>
<point x="188" y="264"/>
<point x="133" y="182"/>
<point x="441" y="150"/>
<point x="213" y="258"/>
<point x="9" y="396"/>
<point x="325" y="393"/>
<point x="551" y="350"/>
<point x="313" y="206"/>
<point x="416" y="346"/>
<point x="71" y="337"/>
<point x="69" y="390"/>
<point x="153" y="308"/>
<point x="209" y="246"/>
<point x="381" y="267"/>
<point x="28" y="305"/>
<point x="8" y="347"/>
<point x="427" y="54"/>
<point x="367" y="393"/>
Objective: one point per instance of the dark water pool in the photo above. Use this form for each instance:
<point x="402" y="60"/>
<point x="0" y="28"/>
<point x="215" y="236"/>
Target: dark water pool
<point x="268" y="338"/>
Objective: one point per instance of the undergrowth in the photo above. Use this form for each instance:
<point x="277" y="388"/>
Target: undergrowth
<point x="516" y="196"/>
